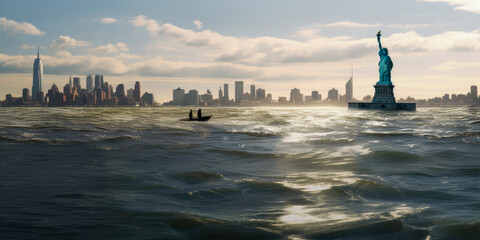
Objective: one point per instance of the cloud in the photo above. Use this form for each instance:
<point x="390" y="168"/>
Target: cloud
<point x="21" y="28"/>
<point x="64" y="63"/>
<point x="408" y="26"/>
<point x="198" y="24"/>
<point x="347" y="24"/>
<point x="26" y="46"/>
<point x="66" y="41"/>
<point x="263" y="51"/>
<point x="150" y="25"/>
<point x="110" y="48"/>
<point x="108" y="20"/>
<point x="160" y="67"/>
<point x="464" y="5"/>
<point x="456" y="65"/>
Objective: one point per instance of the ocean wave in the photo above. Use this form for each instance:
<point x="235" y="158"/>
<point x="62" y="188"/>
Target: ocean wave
<point x="118" y="138"/>
<point x="261" y="187"/>
<point x="389" y="229"/>
<point x="392" y="156"/>
<point x="210" y="194"/>
<point x="468" y="230"/>
<point x="230" y="152"/>
<point x="362" y="189"/>
<point x="198" y="177"/>
<point x="256" y="133"/>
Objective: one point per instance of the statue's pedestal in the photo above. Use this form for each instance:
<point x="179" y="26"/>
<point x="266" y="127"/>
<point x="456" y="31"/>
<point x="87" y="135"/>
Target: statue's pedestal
<point x="383" y="93"/>
<point x="383" y="100"/>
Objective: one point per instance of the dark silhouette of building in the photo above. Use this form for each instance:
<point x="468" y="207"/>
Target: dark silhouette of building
<point x="225" y="92"/>
<point x="76" y="83"/>
<point x="238" y="91"/>
<point x="333" y="95"/>
<point x="295" y="96"/>
<point x="136" y="92"/>
<point x="37" y="74"/>
<point x="26" y="95"/>
<point x="147" y="98"/>
<point x="55" y="98"/>
<point x="260" y="94"/>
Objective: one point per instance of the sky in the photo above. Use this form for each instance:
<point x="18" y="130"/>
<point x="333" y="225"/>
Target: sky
<point x="274" y="44"/>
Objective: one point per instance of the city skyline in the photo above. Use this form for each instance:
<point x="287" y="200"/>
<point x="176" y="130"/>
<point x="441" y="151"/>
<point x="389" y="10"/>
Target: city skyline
<point x="308" y="45"/>
<point x="102" y="94"/>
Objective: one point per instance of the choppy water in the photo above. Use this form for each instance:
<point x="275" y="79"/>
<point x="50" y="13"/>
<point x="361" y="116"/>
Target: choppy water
<point x="248" y="173"/>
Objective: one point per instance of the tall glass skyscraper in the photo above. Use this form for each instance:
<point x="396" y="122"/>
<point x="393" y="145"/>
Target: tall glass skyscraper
<point x="37" y="75"/>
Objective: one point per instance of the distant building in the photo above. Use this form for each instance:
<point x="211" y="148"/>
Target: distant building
<point x="220" y="93"/>
<point x="252" y="90"/>
<point x="26" y="95"/>
<point x="269" y="97"/>
<point x="147" y="98"/>
<point x="367" y="98"/>
<point x="333" y="95"/>
<point x="206" y="99"/>
<point x="474" y="92"/>
<point x="282" y="99"/>
<point x="37" y="74"/>
<point x="178" y="96"/>
<point x="76" y="82"/>
<point x="130" y="95"/>
<point x="315" y="96"/>
<point x="89" y="83"/>
<point x="55" y="98"/>
<point x="120" y="91"/>
<point x="295" y="96"/>
<point x="238" y="91"/>
<point x="225" y="92"/>
<point x="191" y="98"/>
<point x="349" y="90"/>
<point x="136" y="92"/>
<point x="260" y="94"/>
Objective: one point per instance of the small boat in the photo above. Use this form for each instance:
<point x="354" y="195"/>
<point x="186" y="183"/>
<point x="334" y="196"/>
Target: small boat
<point x="202" y="119"/>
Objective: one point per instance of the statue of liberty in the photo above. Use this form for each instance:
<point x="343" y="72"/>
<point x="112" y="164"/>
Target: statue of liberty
<point x="385" y="65"/>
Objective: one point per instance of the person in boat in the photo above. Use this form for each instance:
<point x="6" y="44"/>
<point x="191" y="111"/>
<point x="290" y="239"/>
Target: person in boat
<point x="190" y="115"/>
<point x="199" y="113"/>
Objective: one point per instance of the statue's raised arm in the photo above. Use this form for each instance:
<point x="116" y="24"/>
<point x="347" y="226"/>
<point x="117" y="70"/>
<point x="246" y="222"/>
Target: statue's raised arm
<point x="378" y="39"/>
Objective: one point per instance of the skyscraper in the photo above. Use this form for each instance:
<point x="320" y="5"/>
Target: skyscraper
<point x="474" y="92"/>
<point x="76" y="82"/>
<point x="315" y="95"/>
<point x="349" y="90"/>
<point x="220" y="93"/>
<point x="98" y="84"/>
<point x="296" y="97"/>
<point x="225" y="91"/>
<point x="238" y="91"/>
<point x="333" y="94"/>
<point x="136" y="92"/>
<point x="26" y="95"/>
<point x="252" y="90"/>
<point x="260" y="94"/>
<point x="37" y="74"/>
<point x="178" y="95"/>
<point x="89" y="83"/>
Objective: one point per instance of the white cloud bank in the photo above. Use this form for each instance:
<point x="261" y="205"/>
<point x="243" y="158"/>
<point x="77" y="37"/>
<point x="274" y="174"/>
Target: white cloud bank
<point x="270" y="50"/>
<point x="464" y="5"/>
<point x="21" y="28"/>
<point x="110" y="48"/>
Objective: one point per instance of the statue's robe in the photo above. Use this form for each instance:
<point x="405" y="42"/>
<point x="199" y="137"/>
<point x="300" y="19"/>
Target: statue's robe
<point x="385" y="68"/>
